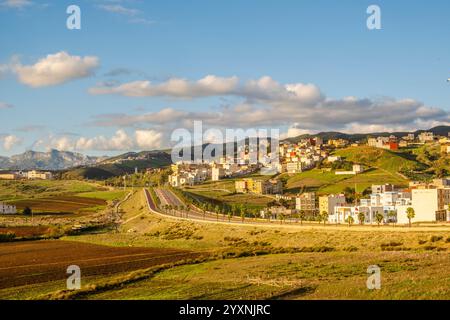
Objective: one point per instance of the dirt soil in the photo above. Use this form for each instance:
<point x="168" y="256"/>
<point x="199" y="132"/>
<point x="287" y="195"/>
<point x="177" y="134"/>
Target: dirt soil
<point x="32" y="262"/>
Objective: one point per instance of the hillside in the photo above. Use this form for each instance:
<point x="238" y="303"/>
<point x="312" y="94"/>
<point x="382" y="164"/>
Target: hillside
<point x="382" y="166"/>
<point x="393" y="162"/>
<point x="120" y="165"/>
<point x="439" y="131"/>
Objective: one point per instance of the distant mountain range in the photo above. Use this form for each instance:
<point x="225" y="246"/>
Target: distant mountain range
<point x="52" y="160"/>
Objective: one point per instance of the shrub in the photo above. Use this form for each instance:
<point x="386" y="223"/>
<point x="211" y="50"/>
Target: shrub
<point x="9" y="236"/>
<point x="436" y="238"/>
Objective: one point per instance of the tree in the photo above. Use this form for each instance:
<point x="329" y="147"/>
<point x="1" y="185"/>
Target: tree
<point x="361" y="217"/>
<point x="301" y="216"/>
<point x="350" y="221"/>
<point x="410" y="214"/>
<point x="281" y="217"/>
<point x="319" y="218"/>
<point x="379" y="218"/>
<point x="324" y="217"/>
<point x="392" y="215"/>
<point x="27" y="211"/>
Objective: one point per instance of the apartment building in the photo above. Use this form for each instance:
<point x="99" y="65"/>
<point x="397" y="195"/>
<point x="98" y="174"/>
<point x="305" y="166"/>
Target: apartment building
<point x="329" y="202"/>
<point x="259" y="186"/>
<point x="429" y="204"/>
<point x="306" y="202"/>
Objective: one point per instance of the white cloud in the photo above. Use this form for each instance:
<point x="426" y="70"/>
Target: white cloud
<point x="55" y="69"/>
<point x="10" y="141"/>
<point x="117" y="8"/>
<point x="175" y="87"/>
<point x="120" y="141"/>
<point x="148" y="139"/>
<point x="16" y="4"/>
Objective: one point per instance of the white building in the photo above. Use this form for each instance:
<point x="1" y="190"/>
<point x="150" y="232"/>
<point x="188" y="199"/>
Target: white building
<point x="429" y="205"/>
<point x="38" y="175"/>
<point x="7" y="209"/>
<point x="217" y="173"/>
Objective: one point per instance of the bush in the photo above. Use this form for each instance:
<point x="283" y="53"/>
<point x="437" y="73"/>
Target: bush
<point x="9" y="236"/>
<point x="436" y="238"/>
<point x="27" y="211"/>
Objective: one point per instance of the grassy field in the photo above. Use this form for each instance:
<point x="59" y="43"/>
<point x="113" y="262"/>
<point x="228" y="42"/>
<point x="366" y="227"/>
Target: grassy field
<point x="382" y="167"/>
<point x="57" y="196"/>
<point x="281" y="261"/>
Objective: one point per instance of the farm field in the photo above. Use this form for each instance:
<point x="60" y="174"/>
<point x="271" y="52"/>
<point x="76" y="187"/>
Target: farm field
<point x="58" y="197"/>
<point x="37" y="262"/>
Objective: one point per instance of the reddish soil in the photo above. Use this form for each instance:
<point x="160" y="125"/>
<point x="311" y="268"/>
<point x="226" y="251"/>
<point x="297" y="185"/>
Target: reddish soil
<point x="60" y="204"/>
<point x="32" y="262"/>
<point x="25" y="231"/>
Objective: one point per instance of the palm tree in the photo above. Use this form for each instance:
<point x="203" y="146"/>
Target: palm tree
<point x="324" y="217"/>
<point x="361" y="217"/>
<point x="379" y="218"/>
<point x="301" y="216"/>
<point x="350" y="221"/>
<point x="410" y="214"/>
<point x="319" y="218"/>
<point x="281" y="217"/>
<point x="392" y="214"/>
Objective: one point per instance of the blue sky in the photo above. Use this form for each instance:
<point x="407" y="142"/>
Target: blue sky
<point x="395" y="76"/>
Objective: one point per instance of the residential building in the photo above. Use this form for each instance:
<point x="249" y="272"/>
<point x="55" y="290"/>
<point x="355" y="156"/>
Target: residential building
<point x="329" y="202"/>
<point x="217" y="173"/>
<point x="7" y="209"/>
<point x="38" y="175"/>
<point x="259" y="186"/>
<point x="381" y="188"/>
<point x="426" y="137"/>
<point x="430" y="204"/>
<point x="294" y="167"/>
<point x="9" y="176"/>
<point x="306" y="202"/>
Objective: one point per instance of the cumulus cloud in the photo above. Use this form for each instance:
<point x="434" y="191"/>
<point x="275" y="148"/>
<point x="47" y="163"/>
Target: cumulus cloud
<point x="119" y="141"/>
<point x="10" y="141"/>
<point x="148" y="139"/>
<point x="55" y="69"/>
<point x="175" y="87"/>
<point x="298" y="107"/>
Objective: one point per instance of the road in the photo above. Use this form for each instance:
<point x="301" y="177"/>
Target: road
<point x="167" y="197"/>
